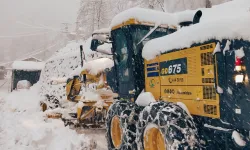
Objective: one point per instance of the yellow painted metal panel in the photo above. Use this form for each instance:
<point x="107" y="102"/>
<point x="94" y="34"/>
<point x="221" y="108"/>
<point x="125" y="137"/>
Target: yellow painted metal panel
<point x="194" y="68"/>
<point x="152" y="83"/>
<point x="187" y="76"/>
<point x="182" y="92"/>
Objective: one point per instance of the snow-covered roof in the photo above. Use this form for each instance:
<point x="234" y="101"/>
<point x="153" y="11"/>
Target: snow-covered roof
<point x="135" y="15"/>
<point x="27" y="65"/>
<point x="32" y="58"/>
<point x="95" y="66"/>
<point x="227" y="21"/>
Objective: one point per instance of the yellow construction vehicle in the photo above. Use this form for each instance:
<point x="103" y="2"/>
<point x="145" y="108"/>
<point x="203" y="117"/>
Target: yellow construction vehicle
<point x="93" y="103"/>
<point x="186" y="84"/>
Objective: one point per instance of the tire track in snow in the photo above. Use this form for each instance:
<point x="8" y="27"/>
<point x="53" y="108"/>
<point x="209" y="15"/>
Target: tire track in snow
<point x="97" y="135"/>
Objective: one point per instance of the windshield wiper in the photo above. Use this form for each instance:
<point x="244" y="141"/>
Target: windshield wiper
<point x="149" y="33"/>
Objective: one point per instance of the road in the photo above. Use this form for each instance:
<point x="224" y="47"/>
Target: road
<point x="4" y="88"/>
<point x="97" y="135"/>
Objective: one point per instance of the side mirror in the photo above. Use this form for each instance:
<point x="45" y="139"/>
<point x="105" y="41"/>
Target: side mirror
<point x="107" y="70"/>
<point x="94" y="44"/>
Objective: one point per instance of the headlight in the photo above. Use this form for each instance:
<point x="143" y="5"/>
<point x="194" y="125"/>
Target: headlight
<point x="239" y="78"/>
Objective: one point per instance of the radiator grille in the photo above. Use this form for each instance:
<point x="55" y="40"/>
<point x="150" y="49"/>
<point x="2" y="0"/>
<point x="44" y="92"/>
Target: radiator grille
<point x="209" y="93"/>
<point x="206" y="58"/>
<point x="207" y="80"/>
<point x="205" y="47"/>
<point x="210" y="109"/>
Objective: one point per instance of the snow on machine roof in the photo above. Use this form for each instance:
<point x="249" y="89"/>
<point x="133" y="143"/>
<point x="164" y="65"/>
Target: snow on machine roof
<point x="27" y="65"/>
<point x="96" y="66"/>
<point x="143" y="16"/>
<point x="151" y="18"/>
<point x="231" y="21"/>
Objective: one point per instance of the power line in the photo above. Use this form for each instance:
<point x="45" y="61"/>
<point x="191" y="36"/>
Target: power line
<point x="24" y="35"/>
<point x="30" y="53"/>
<point x="37" y="52"/>
<point x="46" y="49"/>
<point x="39" y="26"/>
<point x="3" y="84"/>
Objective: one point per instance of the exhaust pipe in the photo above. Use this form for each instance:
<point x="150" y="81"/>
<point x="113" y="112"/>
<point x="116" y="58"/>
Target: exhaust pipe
<point x="191" y="19"/>
<point x="197" y="17"/>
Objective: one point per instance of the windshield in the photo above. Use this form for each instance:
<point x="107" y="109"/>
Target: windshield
<point x="128" y="55"/>
<point x="121" y="60"/>
<point x="138" y="33"/>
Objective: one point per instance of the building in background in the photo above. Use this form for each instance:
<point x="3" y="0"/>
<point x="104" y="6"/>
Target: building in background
<point x="26" y="71"/>
<point x="34" y="59"/>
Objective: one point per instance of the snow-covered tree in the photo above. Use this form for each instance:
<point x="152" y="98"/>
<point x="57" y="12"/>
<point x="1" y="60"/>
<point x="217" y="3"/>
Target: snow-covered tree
<point x="93" y="15"/>
<point x="96" y="14"/>
<point x="181" y="5"/>
<point x="152" y="4"/>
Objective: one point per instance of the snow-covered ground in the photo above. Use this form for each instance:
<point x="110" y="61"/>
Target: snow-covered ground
<point x="24" y="126"/>
<point x="4" y="88"/>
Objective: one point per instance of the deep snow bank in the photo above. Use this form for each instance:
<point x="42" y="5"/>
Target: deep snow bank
<point x="24" y="127"/>
<point x="62" y="64"/>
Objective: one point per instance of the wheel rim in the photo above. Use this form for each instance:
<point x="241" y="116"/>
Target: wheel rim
<point x="154" y="139"/>
<point x="116" y="132"/>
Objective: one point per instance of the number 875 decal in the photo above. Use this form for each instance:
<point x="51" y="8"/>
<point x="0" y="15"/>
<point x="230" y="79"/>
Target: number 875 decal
<point x="172" y="67"/>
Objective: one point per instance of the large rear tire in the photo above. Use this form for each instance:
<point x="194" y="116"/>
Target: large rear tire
<point x="164" y="126"/>
<point x="121" y="130"/>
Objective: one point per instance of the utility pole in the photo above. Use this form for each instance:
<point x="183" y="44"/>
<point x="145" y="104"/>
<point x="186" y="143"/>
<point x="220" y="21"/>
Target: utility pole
<point x="45" y="45"/>
<point x="65" y="30"/>
<point x="77" y="31"/>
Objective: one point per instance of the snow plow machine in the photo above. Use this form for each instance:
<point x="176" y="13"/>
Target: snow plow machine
<point x="89" y="89"/>
<point x="178" y="89"/>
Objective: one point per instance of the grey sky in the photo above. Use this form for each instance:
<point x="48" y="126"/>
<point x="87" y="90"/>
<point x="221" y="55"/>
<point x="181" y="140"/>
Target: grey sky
<point x="37" y="12"/>
<point x="27" y="16"/>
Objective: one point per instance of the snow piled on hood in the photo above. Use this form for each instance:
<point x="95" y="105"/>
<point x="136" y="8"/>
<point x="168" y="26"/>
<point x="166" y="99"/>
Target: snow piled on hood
<point x="95" y="66"/>
<point x="227" y="21"/>
<point x="24" y="127"/>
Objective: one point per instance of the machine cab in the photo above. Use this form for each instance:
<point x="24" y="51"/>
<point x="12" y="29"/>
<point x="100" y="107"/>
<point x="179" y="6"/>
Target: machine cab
<point x="128" y="38"/>
<point x="128" y="42"/>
